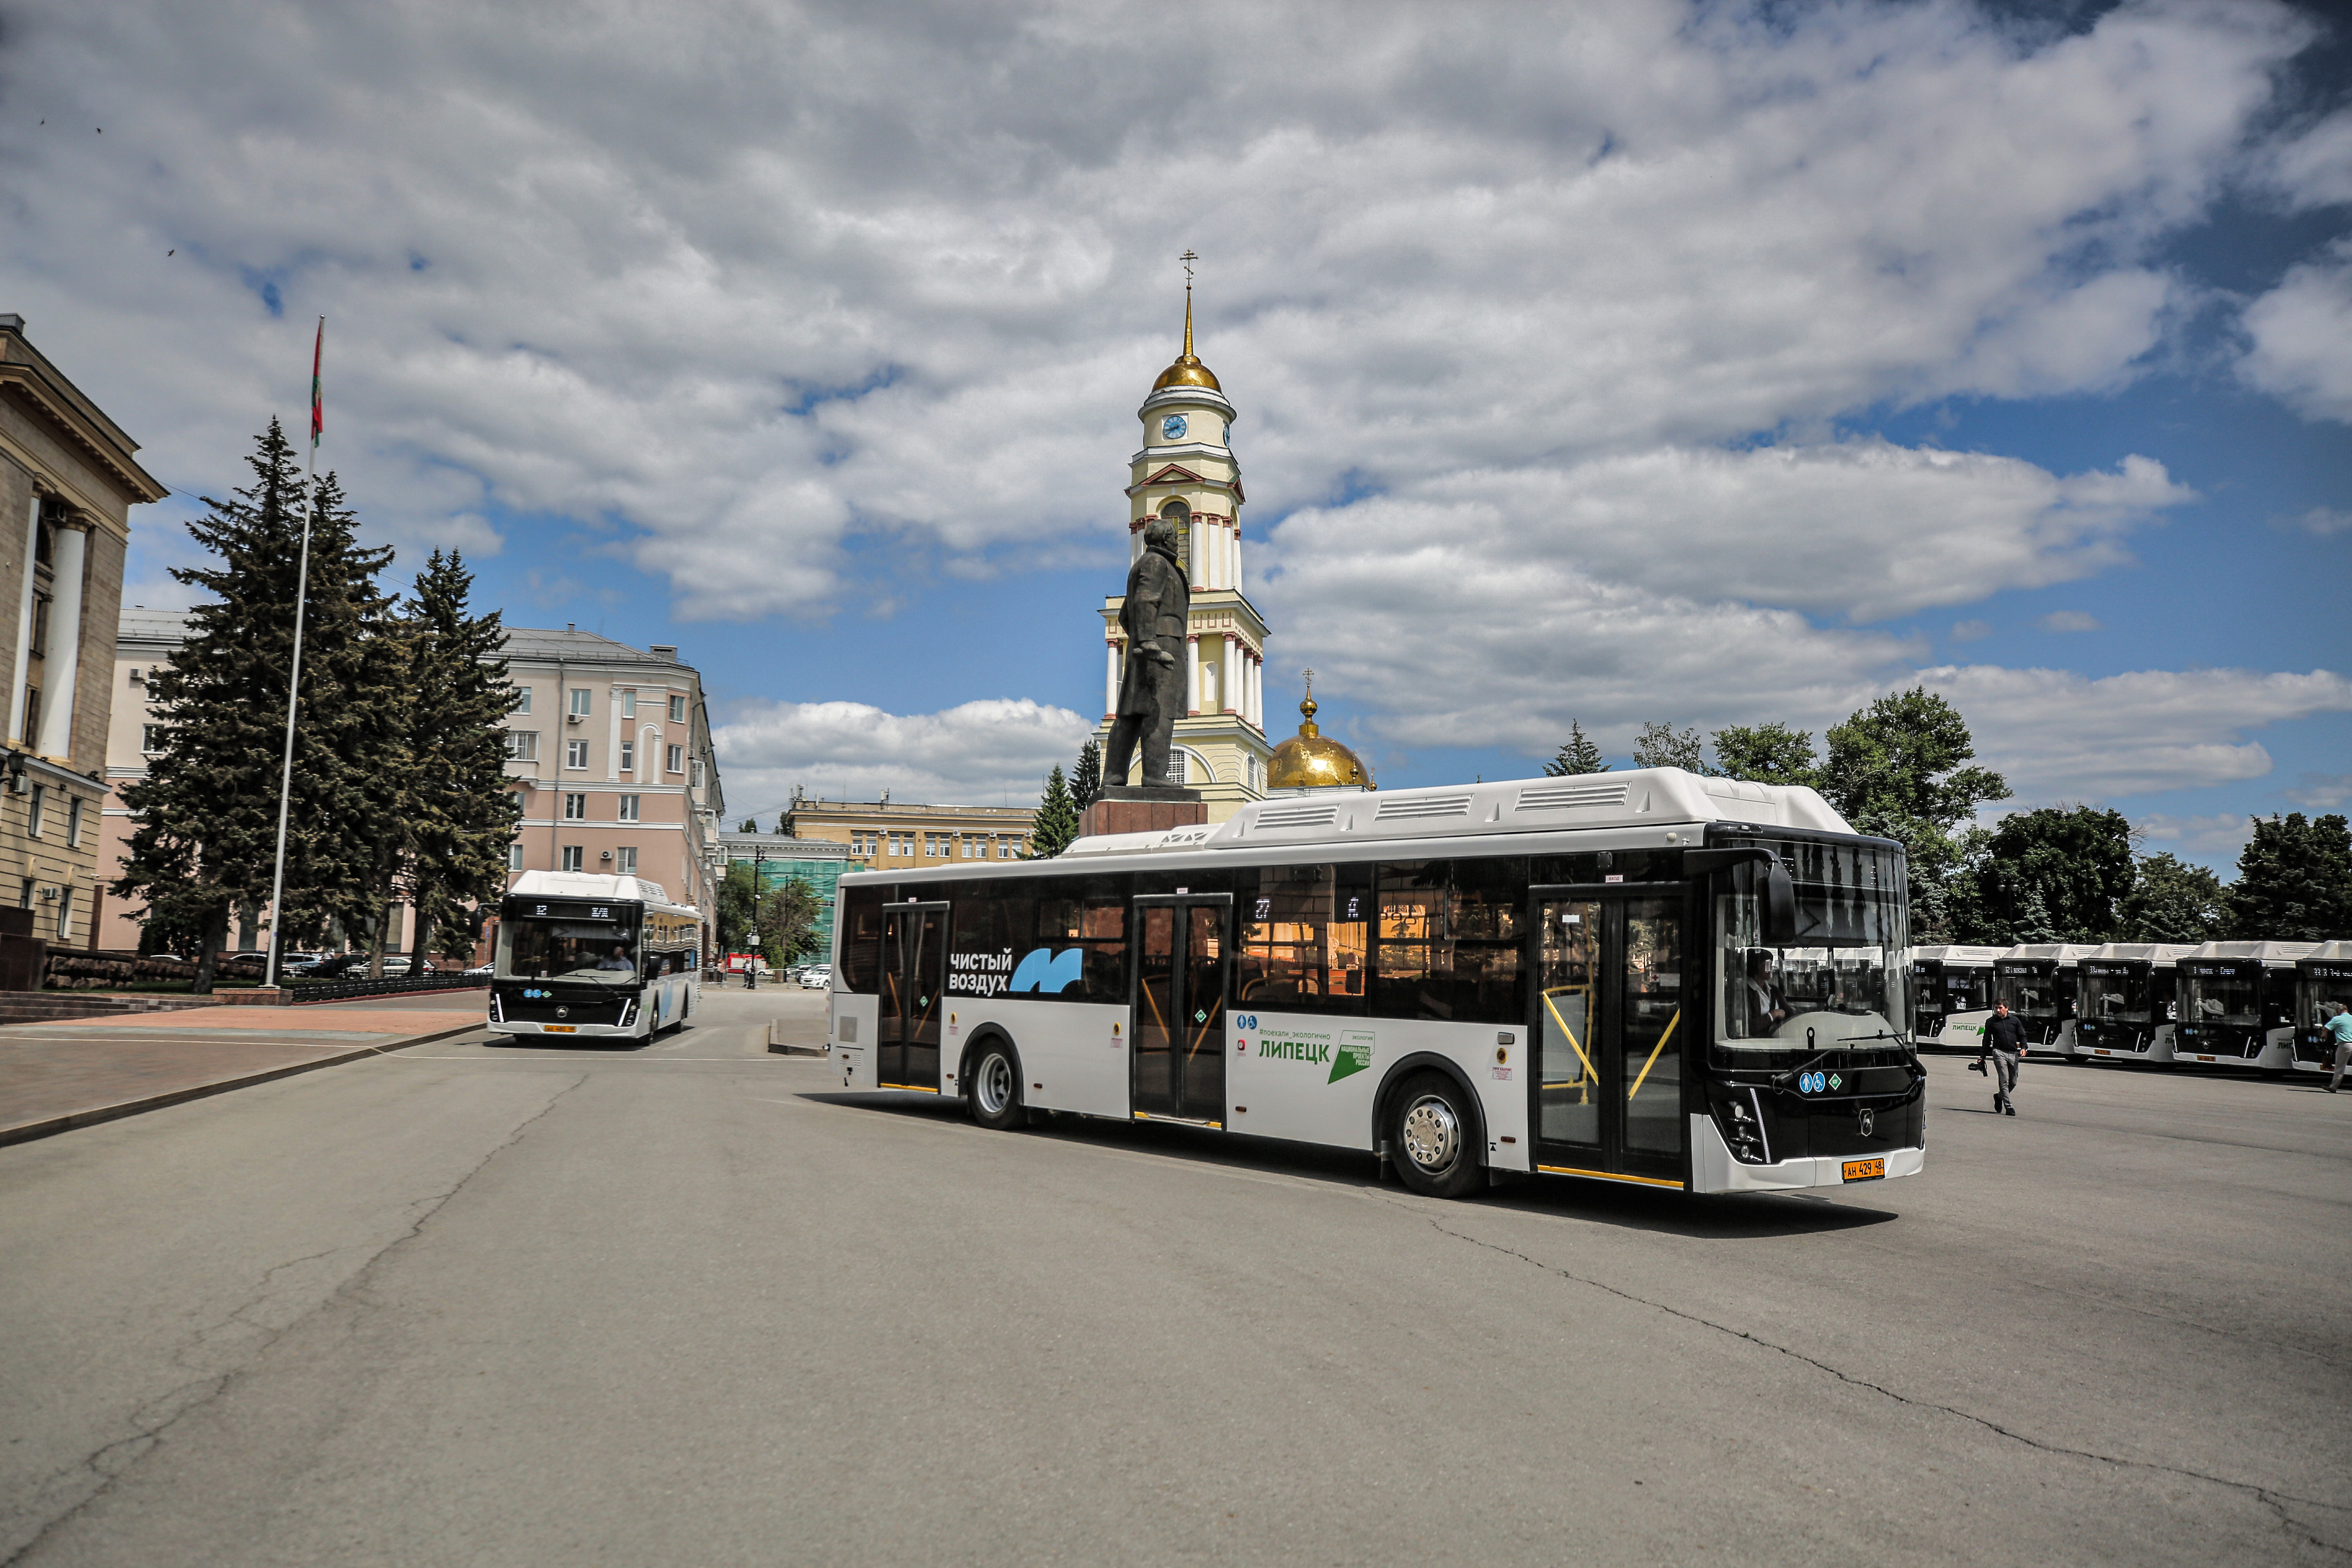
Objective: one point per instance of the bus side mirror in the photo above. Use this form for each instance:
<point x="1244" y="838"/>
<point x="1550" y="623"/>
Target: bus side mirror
<point x="1779" y="911"/>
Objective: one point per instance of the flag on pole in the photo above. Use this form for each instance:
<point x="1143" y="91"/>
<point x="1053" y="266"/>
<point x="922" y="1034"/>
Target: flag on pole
<point x="318" y="403"/>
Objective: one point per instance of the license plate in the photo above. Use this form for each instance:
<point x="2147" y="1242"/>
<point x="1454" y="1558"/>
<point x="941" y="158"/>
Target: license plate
<point x="1865" y="1170"/>
<point x="2103" y="1051"/>
<point x="560" y="1028"/>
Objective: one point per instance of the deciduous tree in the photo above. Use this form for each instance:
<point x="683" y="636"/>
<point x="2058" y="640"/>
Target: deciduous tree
<point x="2294" y="881"/>
<point x="1770" y="753"/>
<point x="2056" y="874"/>
<point x="1661" y="745"/>
<point x="2171" y="900"/>
<point x="1895" y="769"/>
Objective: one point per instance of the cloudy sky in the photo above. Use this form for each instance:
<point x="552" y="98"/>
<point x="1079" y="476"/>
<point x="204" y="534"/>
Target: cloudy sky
<point x="1705" y="362"/>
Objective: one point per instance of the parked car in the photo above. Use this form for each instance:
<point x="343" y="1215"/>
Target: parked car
<point x="401" y="964"/>
<point x="817" y="978"/>
<point x="337" y="967"/>
<point x="480" y="970"/>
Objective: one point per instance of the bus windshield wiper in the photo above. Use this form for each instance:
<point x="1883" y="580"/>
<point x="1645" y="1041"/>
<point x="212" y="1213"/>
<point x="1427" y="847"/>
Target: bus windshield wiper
<point x="1882" y="1035"/>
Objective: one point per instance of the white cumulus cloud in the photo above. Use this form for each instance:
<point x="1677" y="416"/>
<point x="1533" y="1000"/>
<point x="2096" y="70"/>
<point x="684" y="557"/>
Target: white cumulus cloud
<point x="994" y="752"/>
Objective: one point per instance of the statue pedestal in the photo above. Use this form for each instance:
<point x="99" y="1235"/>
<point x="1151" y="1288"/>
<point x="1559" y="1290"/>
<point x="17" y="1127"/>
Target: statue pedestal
<point x="1142" y="808"/>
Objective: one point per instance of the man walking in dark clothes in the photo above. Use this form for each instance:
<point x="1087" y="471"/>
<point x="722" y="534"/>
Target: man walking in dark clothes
<point x="2004" y="1041"/>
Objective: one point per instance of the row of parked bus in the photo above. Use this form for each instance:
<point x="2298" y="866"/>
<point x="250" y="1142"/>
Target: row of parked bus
<point x="2225" y="1004"/>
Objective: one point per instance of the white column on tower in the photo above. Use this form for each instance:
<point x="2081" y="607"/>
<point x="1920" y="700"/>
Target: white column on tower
<point x="1233" y="700"/>
<point x="1257" y="692"/>
<point x="1234" y="555"/>
<point x="1110" y="677"/>
<point x="1196" y="564"/>
<point x="1191" y="676"/>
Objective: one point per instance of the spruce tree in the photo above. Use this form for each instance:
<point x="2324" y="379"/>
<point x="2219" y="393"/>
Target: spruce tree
<point x="206" y="831"/>
<point x="1578" y="754"/>
<point x="2294" y="881"/>
<point x="456" y="816"/>
<point x="1057" y="819"/>
<point x="1086" y="781"/>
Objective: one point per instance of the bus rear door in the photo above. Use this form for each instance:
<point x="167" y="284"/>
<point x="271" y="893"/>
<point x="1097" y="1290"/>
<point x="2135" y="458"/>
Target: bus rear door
<point x="1607" y="1090"/>
<point x="914" y="982"/>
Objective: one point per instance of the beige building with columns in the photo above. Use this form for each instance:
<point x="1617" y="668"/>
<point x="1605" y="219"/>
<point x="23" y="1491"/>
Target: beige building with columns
<point x="1187" y="474"/>
<point x="68" y="479"/>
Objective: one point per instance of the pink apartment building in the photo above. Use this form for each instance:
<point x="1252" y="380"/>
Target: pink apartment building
<point x="609" y="746"/>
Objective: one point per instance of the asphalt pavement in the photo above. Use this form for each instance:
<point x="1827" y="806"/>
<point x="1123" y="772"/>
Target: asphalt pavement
<point x="688" y="1304"/>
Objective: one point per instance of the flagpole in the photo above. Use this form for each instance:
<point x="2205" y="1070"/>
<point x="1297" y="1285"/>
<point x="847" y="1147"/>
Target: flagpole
<point x="294" y="677"/>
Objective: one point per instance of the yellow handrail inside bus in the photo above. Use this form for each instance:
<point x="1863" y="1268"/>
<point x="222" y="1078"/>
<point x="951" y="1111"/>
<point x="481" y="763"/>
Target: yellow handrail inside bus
<point x="1654" y="1054"/>
<point x="1553" y="1009"/>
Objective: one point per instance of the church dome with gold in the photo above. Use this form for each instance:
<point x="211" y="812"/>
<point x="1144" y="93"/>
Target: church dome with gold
<point x="1187" y="370"/>
<point x="1312" y="760"/>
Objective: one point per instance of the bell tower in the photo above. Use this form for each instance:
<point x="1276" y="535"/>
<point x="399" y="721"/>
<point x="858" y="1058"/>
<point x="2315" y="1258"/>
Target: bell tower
<point x="1187" y="474"/>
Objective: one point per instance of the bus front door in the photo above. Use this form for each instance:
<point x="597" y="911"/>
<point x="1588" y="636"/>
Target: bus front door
<point x="1608" y="1086"/>
<point x="1178" y="1008"/>
<point x="914" y="978"/>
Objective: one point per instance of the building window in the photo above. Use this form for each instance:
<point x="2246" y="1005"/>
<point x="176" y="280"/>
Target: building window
<point x="522" y="703"/>
<point x="677" y="759"/>
<point x="1004" y="849"/>
<point x="65" y="914"/>
<point x="73" y="822"/>
<point x="628" y="756"/>
<point x="581" y="698"/>
<point x="574" y="856"/>
<point x="575" y="808"/>
<point x="628" y="704"/>
<point x="34" y="813"/>
<point x="697" y="772"/>
<point x="629" y="860"/>
<point x="522" y="745"/>
<point x="629" y="807"/>
<point x="575" y="753"/>
<point x="151" y="737"/>
<point x="25" y="895"/>
<point x="677" y="710"/>
<point x="514" y="855"/>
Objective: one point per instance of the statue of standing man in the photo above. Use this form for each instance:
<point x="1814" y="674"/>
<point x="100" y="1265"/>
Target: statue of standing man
<point x="1156" y="617"/>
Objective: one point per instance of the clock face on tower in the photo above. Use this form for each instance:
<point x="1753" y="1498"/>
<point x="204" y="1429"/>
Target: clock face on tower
<point x="1172" y="429"/>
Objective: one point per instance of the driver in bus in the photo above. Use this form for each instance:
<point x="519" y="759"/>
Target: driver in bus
<point x="617" y="959"/>
<point x="1766" y="1010"/>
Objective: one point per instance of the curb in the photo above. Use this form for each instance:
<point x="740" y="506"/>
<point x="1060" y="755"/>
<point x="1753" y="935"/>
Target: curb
<point x="26" y="1133"/>
<point x="777" y="1048"/>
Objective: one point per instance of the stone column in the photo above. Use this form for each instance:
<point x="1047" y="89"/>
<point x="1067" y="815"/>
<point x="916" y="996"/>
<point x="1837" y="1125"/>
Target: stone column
<point x="1193" y="675"/>
<point x="63" y="663"/>
<point x="1237" y="555"/>
<point x="25" y="626"/>
<point x="1110" y="679"/>
<point x="1257" y="691"/>
<point x="1196" y="565"/>
<point x="1228" y="699"/>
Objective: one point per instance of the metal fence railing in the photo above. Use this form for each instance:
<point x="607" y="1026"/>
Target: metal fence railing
<point x="299" y="990"/>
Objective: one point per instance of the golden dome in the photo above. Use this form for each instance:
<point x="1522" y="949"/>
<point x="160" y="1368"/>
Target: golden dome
<point x="1187" y="370"/>
<point x="1312" y="760"/>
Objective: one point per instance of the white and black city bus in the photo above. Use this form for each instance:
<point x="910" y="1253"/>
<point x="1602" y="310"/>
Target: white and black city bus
<point x="1645" y="976"/>
<point x="1947" y="981"/>
<point x="2323" y="982"/>
<point x="2237" y="1005"/>
<point x="608" y="957"/>
<point x="2127" y="1002"/>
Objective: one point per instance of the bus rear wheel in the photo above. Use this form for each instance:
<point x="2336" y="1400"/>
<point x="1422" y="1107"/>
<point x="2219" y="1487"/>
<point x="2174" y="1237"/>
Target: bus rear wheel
<point x="992" y="1086"/>
<point x="1431" y="1131"/>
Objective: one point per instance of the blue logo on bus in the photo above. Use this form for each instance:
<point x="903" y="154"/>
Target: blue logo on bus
<point x="1812" y="1083"/>
<point x="1042" y="969"/>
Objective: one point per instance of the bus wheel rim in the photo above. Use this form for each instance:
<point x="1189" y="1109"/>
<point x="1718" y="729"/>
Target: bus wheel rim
<point x="996" y="1084"/>
<point x="1433" y="1134"/>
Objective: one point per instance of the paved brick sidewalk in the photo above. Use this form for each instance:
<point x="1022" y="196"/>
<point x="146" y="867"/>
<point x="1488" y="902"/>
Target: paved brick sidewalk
<point x="57" y="1076"/>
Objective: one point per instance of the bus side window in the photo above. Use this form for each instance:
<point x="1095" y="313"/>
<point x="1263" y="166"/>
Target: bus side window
<point x="861" y="940"/>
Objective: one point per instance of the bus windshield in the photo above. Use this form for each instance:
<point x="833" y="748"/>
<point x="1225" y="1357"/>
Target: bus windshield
<point x="2029" y="994"/>
<point x="1840" y="984"/>
<point x="2116" y="995"/>
<point x="2219" y="999"/>
<point x="569" y="947"/>
<point x="2320" y="997"/>
<point x="1967" y="990"/>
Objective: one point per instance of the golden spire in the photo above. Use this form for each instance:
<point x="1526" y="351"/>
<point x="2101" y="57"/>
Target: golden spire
<point x="1307" y="709"/>
<point x="1187" y="370"/>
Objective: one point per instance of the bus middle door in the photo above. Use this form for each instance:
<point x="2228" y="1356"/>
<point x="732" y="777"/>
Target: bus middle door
<point x="1177" y="1014"/>
<point x="914" y="980"/>
<point x="1607" y="1092"/>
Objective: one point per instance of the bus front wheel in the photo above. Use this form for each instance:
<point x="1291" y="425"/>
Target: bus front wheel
<point x="994" y="1087"/>
<point x="1431" y="1134"/>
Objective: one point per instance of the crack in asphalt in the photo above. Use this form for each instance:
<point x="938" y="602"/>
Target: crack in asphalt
<point x="158" y="1415"/>
<point x="2276" y="1502"/>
